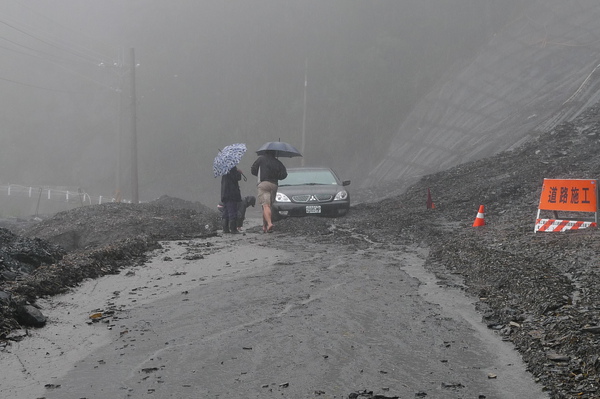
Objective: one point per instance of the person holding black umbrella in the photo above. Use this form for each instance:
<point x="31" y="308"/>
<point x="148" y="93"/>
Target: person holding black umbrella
<point x="269" y="171"/>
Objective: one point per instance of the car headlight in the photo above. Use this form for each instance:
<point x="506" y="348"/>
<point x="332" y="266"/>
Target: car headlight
<point x="342" y="195"/>
<point x="281" y="197"/>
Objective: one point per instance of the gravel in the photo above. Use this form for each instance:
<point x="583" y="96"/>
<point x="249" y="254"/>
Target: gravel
<point x="537" y="290"/>
<point x="41" y="258"/>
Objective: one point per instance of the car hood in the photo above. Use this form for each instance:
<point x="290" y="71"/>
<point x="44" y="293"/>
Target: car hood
<point x="310" y="189"/>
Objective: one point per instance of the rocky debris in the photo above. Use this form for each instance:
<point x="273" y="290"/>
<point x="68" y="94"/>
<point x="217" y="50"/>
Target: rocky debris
<point x="28" y="315"/>
<point x="58" y="253"/>
<point x="536" y="290"/>
<point x="366" y="394"/>
<point x="164" y="217"/>
<point x="22" y="255"/>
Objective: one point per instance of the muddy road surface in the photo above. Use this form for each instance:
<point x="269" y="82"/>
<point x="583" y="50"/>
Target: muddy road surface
<point x="265" y="315"/>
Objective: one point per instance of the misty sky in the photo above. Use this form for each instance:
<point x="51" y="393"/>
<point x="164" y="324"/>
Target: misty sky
<point x="211" y="73"/>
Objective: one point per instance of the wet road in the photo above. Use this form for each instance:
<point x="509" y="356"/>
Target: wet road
<point x="233" y="318"/>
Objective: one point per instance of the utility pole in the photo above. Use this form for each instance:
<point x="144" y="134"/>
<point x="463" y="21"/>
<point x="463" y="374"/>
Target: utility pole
<point x="134" y="171"/>
<point x="304" y="111"/>
<point x="119" y="91"/>
<point x="116" y="67"/>
<point x="118" y="141"/>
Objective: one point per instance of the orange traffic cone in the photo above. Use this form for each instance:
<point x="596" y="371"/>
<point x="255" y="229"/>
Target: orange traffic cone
<point x="430" y="204"/>
<point x="479" y="221"/>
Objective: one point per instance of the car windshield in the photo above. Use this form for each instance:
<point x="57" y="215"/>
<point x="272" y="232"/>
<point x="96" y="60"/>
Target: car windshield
<point x="302" y="177"/>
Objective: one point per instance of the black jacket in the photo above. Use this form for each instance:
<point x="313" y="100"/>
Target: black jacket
<point x="271" y="169"/>
<point x="230" y="188"/>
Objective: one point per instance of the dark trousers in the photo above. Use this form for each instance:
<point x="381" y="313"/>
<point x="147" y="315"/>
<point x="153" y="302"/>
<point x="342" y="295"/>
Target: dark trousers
<point x="230" y="210"/>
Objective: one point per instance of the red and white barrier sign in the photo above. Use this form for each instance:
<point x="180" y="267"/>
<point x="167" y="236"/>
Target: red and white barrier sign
<point x="568" y="195"/>
<point x="561" y="225"/>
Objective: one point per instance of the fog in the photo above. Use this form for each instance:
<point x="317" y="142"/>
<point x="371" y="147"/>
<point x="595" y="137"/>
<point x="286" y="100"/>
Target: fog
<point x="209" y="73"/>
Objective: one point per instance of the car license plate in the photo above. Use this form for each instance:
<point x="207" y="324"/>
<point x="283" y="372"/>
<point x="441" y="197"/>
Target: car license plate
<point x="313" y="208"/>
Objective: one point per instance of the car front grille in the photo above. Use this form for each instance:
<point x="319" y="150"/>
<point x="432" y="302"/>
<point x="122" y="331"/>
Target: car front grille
<point x="312" y="198"/>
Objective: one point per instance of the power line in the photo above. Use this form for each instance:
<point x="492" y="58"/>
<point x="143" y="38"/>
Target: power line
<point x="88" y="56"/>
<point x="44" y="16"/>
<point x="44" y="55"/>
<point x="42" y="88"/>
<point x="50" y="61"/>
<point x="85" y="58"/>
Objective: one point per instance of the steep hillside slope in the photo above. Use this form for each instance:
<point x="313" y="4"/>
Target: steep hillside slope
<point x="541" y="70"/>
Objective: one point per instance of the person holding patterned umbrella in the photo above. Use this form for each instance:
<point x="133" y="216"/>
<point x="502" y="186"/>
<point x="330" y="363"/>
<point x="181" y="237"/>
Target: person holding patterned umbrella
<point x="224" y="165"/>
<point x="231" y="197"/>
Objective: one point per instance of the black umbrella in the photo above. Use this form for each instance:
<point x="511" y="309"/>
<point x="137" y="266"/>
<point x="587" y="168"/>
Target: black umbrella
<point x="281" y="148"/>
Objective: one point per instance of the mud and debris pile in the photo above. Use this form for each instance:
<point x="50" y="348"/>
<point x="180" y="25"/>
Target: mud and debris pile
<point x="99" y="225"/>
<point x="537" y="290"/>
<point x="53" y="255"/>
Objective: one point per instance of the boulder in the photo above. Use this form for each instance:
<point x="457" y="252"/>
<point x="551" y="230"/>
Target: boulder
<point x="28" y="315"/>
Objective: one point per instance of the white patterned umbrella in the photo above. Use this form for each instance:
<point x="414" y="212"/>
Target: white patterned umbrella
<point x="227" y="158"/>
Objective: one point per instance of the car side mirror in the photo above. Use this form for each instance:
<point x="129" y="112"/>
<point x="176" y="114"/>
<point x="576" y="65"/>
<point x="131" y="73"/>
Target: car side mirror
<point x="346" y="183"/>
